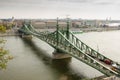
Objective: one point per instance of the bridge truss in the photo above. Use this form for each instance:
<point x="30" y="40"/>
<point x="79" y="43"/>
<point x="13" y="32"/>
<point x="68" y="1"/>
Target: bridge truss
<point x="65" y="41"/>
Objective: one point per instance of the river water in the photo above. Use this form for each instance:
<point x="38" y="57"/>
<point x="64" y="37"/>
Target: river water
<point x="33" y="58"/>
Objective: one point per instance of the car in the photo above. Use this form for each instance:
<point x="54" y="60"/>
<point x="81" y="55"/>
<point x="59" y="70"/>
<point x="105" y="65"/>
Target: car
<point x="116" y="66"/>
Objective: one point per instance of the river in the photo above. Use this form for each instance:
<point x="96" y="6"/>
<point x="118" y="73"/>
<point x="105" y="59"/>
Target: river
<point x="33" y="58"/>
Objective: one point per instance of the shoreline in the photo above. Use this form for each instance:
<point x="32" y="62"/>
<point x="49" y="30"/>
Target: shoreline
<point x="84" y="30"/>
<point x="100" y="29"/>
<point x="9" y="33"/>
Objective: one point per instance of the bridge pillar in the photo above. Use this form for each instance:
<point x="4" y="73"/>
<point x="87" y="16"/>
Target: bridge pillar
<point x="60" y="55"/>
<point x="26" y="36"/>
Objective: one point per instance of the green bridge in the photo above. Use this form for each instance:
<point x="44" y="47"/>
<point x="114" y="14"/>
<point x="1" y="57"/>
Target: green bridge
<point x="66" y="42"/>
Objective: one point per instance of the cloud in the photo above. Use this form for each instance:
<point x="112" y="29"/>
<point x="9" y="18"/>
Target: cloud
<point x="20" y="3"/>
<point x="106" y="2"/>
<point x="71" y="1"/>
<point x="76" y="8"/>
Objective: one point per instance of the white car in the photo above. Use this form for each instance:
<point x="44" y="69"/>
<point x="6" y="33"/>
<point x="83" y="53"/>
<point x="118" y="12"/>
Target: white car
<point x="115" y="66"/>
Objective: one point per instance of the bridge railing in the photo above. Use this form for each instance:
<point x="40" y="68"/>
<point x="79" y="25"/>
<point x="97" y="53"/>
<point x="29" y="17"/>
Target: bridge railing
<point x="88" y="50"/>
<point x="66" y="46"/>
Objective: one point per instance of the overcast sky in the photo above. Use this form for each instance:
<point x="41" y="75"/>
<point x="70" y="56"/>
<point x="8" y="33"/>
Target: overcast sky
<point x="86" y="9"/>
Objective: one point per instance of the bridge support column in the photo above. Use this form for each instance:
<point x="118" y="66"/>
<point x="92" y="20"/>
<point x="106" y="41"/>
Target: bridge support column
<point x="26" y="36"/>
<point x="60" y="55"/>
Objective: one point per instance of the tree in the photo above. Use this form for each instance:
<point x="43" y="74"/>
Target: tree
<point x="4" y="56"/>
<point x="2" y="29"/>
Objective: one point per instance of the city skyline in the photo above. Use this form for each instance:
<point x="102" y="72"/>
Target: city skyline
<point x="85" y="9"/>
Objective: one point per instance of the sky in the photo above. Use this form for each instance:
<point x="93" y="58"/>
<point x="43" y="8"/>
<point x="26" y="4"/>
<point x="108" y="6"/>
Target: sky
<point x="85" y="9"/>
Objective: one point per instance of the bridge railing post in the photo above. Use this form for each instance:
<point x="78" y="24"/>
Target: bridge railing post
<point x="57" y="36"/>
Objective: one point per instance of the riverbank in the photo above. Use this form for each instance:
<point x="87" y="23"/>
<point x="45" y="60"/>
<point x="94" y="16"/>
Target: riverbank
<point x="9" y="33"/>
<point x="13" y="32"/>
<point x="94" y="29"/>
<point x="90" y="29"/>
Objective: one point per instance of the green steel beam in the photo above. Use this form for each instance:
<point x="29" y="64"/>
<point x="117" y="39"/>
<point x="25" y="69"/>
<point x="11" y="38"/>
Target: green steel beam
<point x="67" y="32"/>
<point x="70" y="44"/>
<point x="57" y="32"/>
